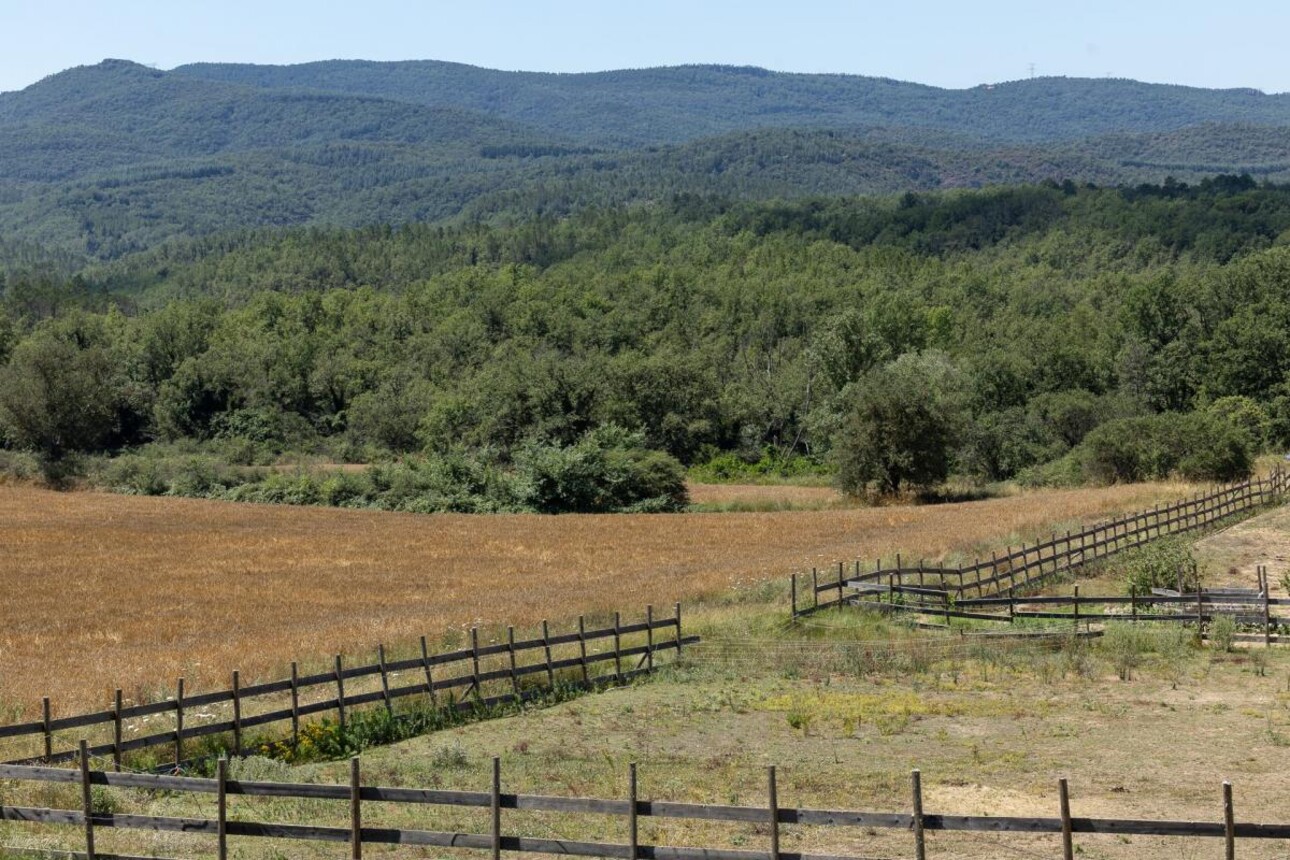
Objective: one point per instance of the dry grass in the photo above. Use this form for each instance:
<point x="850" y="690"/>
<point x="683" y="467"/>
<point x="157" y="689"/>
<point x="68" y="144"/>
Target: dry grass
<point x="784" y="496"/>
<point x="102" y="591"/>
<point x="1233" y="555"/>
<point x="992" y="734"/>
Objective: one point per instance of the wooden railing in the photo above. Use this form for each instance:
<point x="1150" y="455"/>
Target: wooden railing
<point x="458" y="679"/>
<point x="1023" y="568"/>
<point x="765" y="822"/>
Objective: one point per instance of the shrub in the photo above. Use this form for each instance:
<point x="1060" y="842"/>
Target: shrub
<point x="1222" y="632"/>
<point x="1196" y="446"/>
<point x="608" y="469"/>
<point x="1162" y="564"/>
<point x="1126" y="645"/>
<point x="1246" y="416"/>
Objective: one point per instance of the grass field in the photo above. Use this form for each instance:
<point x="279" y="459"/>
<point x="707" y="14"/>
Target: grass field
<point x="991" y="727"/>
<point x="102" y="591"/>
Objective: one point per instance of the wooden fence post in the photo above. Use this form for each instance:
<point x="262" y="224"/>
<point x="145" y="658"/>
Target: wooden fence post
<point x="815" y="588"/>
<point x="221" y="808"/>
<point x="774" y="812"/>
<point x="618" y="649"/>
<point x="920" y="846"/>
<point x="355" y="811"/>
<point x="840" y="583"/>
<point x="1229" y="821"/>
<point x="497" y="808"/>
<point x="649" y="636"/>
<point x="1133" y="601"/>
<point x="510" y="651"/>
<point x="678" y="631"/>
<point x="633" y="827"/>
<point x="1076" y="603"/>
<point x="474" y="664"/>
<point x="295" y="704"/>
<point x="582" y="648"/>
<point x="425" y="666"/>
<point x="1063" y="797"/>
<point x="546" y="648"/>
<point x="179" y="723"/>
<point x="237" y="710"/>
<point x="793" y="591"/>
<point x="87" y="803"/>
<point x="385" y="679"/>
<point x="1267" y="608"/>
<point x="340" y="692"/>
<point x="117" y="731"/>
<point x="49" y="735"/>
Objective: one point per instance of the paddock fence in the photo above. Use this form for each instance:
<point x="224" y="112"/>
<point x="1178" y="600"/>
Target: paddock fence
<point x="1022" y="569"/>
<point x="762" y="826"/>
<point x="476" y="677"/>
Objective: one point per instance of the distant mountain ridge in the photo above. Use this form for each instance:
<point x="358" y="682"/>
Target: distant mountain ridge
<point x="674" y="104"/>
<point x="109" y="159"/>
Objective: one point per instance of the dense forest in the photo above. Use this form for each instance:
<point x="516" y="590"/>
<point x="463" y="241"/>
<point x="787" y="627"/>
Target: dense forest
<point x="100" y="162"/>
<point x="1050" y="333"/>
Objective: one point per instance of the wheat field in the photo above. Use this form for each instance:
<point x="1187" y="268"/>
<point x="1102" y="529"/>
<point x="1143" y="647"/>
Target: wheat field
<point x="101" y="591"/>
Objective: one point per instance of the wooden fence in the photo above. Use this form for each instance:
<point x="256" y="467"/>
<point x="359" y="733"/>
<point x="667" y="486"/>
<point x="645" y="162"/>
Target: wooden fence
<point x="458" y="679"/>
<point x="1022" y="569"/>
<point x="1246" y="607"/>
<point x="767" y="821"/>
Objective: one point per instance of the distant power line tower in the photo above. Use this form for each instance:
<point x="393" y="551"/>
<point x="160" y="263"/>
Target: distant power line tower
<point x="1031" y="66"/>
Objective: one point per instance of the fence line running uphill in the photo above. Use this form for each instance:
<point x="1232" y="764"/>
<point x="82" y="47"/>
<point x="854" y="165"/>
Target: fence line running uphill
<point x="476" y="676"/>
<point x="1023" y="568"/>
<point x="765" y="822"/>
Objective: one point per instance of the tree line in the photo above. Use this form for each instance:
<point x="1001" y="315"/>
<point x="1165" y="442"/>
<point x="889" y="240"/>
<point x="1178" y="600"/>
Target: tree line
<point x="1050" y="333"/>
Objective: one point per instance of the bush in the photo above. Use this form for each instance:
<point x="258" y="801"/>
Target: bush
<point x="1195" y="447"/>
<point x="1246" y="416"/>
<point x="607" y="470"/>
<point x="730" y="468"/>
<point x="1162" y="564"/>
<point x="1222" y="632"/>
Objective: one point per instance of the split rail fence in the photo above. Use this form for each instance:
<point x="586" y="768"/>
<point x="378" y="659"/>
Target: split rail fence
<point x="1020" y="570"/>
<point x="767" y="821"/>
<point x="479" y="676"/>
<point x="1246" y="607"/>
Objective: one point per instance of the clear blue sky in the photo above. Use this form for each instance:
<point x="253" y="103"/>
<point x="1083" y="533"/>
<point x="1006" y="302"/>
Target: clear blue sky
<point x="950" y="44"/>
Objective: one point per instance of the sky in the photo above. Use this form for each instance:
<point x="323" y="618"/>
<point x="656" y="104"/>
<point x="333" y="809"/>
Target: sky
<point x="949" y="44"/>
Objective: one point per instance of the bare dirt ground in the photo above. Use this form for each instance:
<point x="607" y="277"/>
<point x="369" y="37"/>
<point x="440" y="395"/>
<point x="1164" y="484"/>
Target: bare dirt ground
<point x="104" y="591"/>
<point x="1233" y="555"/>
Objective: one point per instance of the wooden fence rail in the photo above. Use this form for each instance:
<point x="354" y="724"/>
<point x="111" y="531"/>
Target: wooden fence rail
<point x="1020" y="569"/>
<point x="516" y="681"/>
<point x="766" y="820"/>
<point x="1251" y="608"/>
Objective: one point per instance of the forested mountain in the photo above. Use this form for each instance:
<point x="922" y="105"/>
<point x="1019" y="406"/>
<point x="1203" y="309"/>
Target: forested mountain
<point x="99" y="162"/>
<point x="669" y="105"/>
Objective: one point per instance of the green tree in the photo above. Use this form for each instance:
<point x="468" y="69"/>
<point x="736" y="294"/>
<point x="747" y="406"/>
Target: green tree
<point x="903" y="425"/>
<point x="57" y="398"/>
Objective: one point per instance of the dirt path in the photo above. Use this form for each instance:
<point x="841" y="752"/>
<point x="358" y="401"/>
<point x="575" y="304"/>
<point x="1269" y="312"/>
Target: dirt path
<point x="1233" y="554"/>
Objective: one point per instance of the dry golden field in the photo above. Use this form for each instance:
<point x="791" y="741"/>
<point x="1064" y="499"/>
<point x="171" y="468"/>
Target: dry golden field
<point x="103" y="591"/>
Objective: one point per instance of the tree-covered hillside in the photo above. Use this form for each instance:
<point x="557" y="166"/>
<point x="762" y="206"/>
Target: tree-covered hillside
<point x="103" y="161"/>
<point x="1058" y="333"/>
<point x="670" y="105"/>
